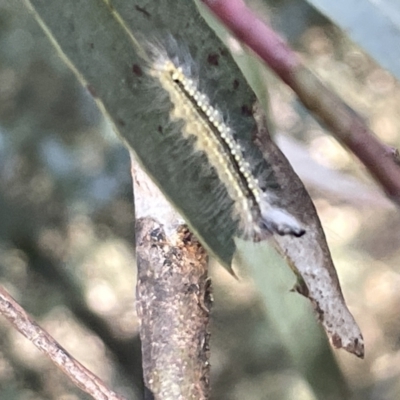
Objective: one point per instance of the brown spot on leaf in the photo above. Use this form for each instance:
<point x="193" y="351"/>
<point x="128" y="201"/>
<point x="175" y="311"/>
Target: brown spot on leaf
<point x="143" y="11"/>
<point x="358" y="349"/>
<point x="246" y="110"/>
<point x="212" y="59"/>
<point x="336" y="341"/>
<point x="137" y="70"/>
<point x="235" y="84"/>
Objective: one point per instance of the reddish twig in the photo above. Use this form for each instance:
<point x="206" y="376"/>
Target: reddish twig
<point x="346" y="125"/>
<point x="78" y="374"/>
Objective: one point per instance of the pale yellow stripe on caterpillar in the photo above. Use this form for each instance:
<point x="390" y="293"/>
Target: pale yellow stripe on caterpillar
<point x="213" y="137"/>
<point x="197" y="123"/>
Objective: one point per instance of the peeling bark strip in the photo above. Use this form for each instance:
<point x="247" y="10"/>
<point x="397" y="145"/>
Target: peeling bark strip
<point x="309" y="255"/>
<point x="173" y="300"/>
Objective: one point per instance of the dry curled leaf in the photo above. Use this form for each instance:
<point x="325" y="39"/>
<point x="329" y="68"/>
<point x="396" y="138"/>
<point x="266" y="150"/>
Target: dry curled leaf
<point x="309" y="255"/>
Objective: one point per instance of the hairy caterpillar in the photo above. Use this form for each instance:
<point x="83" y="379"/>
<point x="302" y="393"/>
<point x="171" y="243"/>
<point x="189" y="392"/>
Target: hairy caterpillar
<point x="257" y="215"/>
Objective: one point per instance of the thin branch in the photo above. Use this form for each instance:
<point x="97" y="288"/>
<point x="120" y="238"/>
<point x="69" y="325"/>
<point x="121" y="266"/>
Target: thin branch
<point x="173" y="297"/>
<point x="78" y="374"/>
<point x="346" y="125"/>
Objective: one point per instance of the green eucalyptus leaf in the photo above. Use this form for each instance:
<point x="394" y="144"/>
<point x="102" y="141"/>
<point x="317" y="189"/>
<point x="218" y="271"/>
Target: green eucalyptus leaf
<point x="104" y="43"/>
